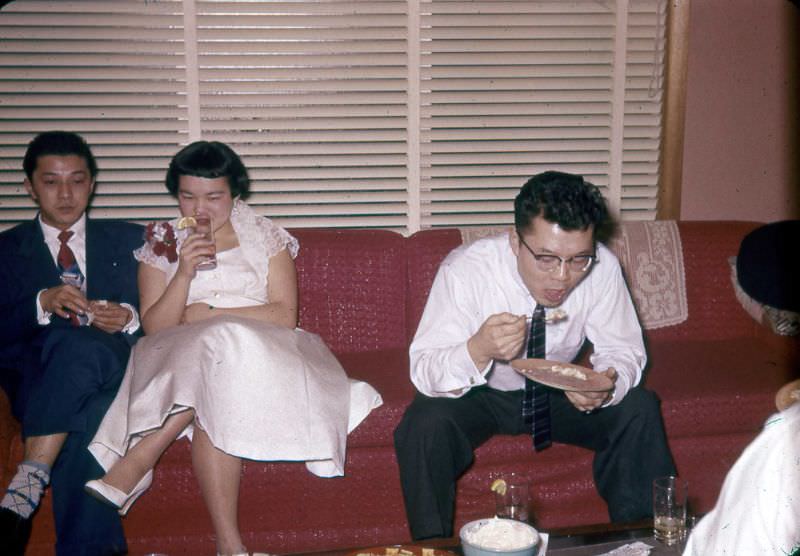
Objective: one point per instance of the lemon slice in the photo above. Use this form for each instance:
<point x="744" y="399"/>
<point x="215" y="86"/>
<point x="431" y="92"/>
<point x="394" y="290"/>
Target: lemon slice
<point x="187" y="222"/>
<point x="499" y="486"/>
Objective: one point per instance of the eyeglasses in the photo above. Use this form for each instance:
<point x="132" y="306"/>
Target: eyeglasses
<point x="552" y="263"/>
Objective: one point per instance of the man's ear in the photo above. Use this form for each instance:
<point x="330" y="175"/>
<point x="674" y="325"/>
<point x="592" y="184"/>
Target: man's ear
<point x="30" y="190"/>
<point x="513" y="240"/>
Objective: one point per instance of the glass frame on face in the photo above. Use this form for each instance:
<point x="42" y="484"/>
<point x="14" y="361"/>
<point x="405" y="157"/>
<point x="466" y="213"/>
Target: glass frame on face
<point x="551" y="263"/>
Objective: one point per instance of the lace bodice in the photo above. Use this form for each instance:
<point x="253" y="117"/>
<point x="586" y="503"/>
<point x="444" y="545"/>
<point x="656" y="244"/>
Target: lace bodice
<point x="241" y="276"/>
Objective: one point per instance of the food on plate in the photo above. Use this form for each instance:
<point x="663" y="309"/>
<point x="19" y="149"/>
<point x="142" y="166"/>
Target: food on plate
<point x="186" y="222"/>
<point x="566" y="370"/>
<point x="499" y="486"/>
<point x="501" y="534"/>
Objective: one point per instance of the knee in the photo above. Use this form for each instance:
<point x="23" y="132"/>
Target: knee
<point x="84" y="344"/>
<point x="426" y="422"/>
<point x="643" y="406"/>
<point x="644" y="400"/>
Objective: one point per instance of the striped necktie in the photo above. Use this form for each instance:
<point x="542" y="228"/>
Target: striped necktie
<point x="536" y="403"/>
<point x="70" y="271"/>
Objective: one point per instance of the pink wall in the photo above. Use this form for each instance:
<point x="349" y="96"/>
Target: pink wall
<point x="742" y="126"/>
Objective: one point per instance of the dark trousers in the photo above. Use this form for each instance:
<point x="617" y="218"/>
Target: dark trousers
<point x="80" y="372"/>
<point x="437" y="437"/>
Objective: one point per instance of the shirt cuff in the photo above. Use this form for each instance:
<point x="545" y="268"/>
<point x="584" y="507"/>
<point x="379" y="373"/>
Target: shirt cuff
<point x="621" y="388"/>
<point x="471" y="375"/>
<point x="42" y="317"/>
<point x="133" y="324"/>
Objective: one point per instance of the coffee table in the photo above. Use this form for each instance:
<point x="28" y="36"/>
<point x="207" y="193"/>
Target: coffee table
<point x="590" y="540"/>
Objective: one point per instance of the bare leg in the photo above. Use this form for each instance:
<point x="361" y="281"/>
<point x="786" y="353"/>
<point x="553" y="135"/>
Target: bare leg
<point x="218" y="474"/>
<point x="126" y="472"/>
<point x="44" y="449"/>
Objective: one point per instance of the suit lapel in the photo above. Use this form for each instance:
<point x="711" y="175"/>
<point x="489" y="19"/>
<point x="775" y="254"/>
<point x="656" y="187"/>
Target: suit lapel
<point x="37" y="256"/>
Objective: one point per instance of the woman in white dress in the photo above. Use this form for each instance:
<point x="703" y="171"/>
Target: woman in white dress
<point x="222" y="361"/>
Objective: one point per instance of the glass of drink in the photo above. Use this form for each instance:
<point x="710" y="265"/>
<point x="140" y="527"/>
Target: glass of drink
<point x="670" y="495"/>
<point x="513" y="501"/>
<point x="203" y="226"/>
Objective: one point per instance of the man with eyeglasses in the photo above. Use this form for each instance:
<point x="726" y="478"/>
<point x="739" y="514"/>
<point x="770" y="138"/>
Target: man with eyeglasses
<point x="475" y="323"/>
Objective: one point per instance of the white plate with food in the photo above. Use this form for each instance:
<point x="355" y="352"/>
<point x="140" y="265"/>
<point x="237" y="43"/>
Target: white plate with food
<point x="564" y="376"/>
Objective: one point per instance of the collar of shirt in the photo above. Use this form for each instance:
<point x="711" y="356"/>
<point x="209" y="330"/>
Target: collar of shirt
<point x="77" y="242"/>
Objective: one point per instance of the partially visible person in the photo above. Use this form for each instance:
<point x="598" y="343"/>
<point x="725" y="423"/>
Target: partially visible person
<point x="758" y="509"/>
<point x="551" y="269"/>
<point x="222" y="360"/>
<point x="767" y="271"/>
<point x="59" y="369"/>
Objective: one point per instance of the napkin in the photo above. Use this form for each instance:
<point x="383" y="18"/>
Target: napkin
<point x="542" y="545"/>
<point x="633" y="549"/>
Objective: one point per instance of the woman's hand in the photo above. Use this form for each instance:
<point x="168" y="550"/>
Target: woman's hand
<point x="197" y="312"/>
<point x="194" y="250"/>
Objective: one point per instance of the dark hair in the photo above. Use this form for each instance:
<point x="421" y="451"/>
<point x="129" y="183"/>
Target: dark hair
<point x="564" y="199"/>
<point x="60" y="143"/>
<point x="209" y="159"/>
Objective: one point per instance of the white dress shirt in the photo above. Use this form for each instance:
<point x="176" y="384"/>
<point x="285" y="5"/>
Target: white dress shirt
<point x="480" y="279"/>
<point x="77" y="242"/>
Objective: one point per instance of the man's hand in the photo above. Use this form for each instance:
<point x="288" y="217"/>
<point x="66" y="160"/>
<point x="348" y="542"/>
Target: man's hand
<point x="500" y="337"/>
<point x="109" y="316"/>
<point x="589" y="401"/>
<point x="197" y="312"/>
<point x="63" y="300"/>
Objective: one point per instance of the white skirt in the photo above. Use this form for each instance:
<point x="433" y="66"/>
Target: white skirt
<point x="259" y="391"/>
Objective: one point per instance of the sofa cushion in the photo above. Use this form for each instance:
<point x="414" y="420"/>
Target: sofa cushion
<point x="426" y="250"/>
<point x="387" y="371"/>
<point x="716" y="387"/>
<point x="714" y="312"/>
<point x="352" y="287"/>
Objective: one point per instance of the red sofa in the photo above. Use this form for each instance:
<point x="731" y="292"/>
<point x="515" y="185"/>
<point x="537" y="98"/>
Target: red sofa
<point x="363" y="291"/>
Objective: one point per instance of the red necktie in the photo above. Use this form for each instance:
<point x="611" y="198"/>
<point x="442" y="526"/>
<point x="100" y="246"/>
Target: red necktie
<point x="66" y="258"/>
<point x="68" y="266"/>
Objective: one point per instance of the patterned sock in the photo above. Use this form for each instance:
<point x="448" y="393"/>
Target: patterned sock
<point x="26" y="488"/>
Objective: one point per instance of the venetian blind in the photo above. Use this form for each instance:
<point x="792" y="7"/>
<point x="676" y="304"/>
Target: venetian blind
<point x="397" y="113"/>
<point x="510" y="89"/>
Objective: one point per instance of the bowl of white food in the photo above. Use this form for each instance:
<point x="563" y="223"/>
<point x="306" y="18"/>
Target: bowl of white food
<point x="497" y="536"/>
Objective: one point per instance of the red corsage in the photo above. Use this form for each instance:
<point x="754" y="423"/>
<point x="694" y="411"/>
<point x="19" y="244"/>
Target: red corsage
<point x="162" y="240"/>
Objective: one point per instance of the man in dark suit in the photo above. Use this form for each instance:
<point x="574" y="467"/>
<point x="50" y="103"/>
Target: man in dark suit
<point x="68" y="296"/>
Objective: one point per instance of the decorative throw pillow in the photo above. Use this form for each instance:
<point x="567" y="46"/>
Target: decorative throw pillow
<point x="784" y="323"/>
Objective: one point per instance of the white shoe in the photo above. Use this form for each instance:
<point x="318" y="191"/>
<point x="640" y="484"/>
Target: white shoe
<point x="115" y="497"/>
